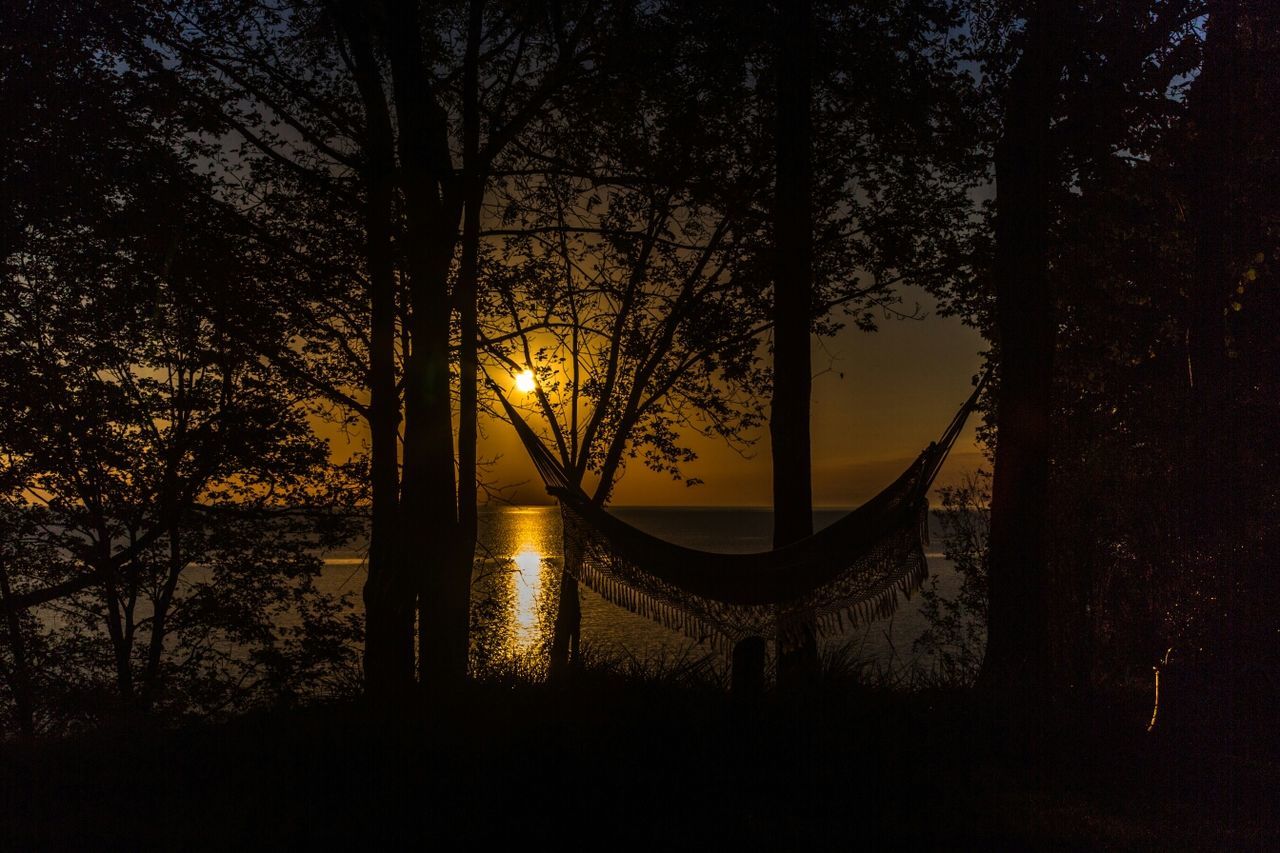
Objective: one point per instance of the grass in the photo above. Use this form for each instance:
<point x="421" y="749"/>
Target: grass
<point x="629" y="753"/>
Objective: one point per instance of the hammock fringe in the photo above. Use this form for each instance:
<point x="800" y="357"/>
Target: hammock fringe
<point x="870" y="588"/>
<point x="851" y="573"/>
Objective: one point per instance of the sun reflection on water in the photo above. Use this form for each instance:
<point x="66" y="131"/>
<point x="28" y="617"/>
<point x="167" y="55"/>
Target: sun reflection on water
<point x="515" y="585"/>
<point x="517" y="588"/>
<point x="527" y="584"/>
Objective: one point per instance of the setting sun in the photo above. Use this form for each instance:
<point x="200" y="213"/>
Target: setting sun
<point x="847" y="318"/>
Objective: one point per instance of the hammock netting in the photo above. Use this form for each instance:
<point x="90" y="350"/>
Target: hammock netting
<point x="849" y="573"/>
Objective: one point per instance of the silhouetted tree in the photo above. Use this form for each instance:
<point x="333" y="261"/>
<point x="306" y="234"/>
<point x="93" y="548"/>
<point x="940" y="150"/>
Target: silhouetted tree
<point x="692" y="161"/>
<point x="792" y="304"/>
<point x="1227" y="161"/>
<point x="144" y="454"/>
<point x="637" y="329"/>
<point x="1016" y="633"/>
<point x="872" y="148"/>
<point x="318" y="94"/>
<point x="1090" y="86"/>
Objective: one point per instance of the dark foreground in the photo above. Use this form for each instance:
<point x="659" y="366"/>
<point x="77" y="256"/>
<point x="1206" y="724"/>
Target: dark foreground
<point x="603" y="766"/>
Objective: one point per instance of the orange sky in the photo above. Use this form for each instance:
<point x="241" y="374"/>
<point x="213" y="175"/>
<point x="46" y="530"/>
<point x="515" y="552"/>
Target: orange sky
<point x="900" y="388"/>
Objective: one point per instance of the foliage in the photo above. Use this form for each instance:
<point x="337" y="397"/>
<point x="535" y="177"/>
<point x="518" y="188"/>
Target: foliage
<point x="1158" y="504"/>
<point x="213" y="233"/>
<point x="164" y="499"/>
<point x="956" y="636"/>
<point x="639" y="271"/>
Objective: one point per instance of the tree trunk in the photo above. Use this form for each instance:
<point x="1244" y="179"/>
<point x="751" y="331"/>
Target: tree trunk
<point x="20" y="677"/>
<point x="567" y="631"/>
<point x="159" y="620"/>
<point x="429" y="508"/>
<point x="428" y="500"/>
<point x="120" y="645"/>
<point x="1216" y="511"/>
<point x="1211" y="209"/>
<point x="747" y="673"/>
<point x="793" y="289"/>
<point x="388" y="593"/>
<point x="464" y="300"/>
<point x="1017" y="654"/>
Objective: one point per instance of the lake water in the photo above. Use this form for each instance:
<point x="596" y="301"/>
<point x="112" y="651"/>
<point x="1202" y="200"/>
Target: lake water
<point x="517" y="579"/>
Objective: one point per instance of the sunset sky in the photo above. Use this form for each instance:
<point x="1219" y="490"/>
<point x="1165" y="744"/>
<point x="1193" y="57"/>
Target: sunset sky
<point x="900" y="387"/>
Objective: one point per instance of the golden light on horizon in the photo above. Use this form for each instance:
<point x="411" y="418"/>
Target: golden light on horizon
<point x="525" y="383"/>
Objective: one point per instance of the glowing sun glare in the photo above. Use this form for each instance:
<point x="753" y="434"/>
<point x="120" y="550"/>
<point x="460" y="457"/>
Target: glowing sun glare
<point x="525" y="382"/>
<point x="528" y="583"/>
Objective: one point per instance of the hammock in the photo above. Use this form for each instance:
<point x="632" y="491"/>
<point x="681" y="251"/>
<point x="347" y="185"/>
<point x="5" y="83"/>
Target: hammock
<point x="848" y="573"/>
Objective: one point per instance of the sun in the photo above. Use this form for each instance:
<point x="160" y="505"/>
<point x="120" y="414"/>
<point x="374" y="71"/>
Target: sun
<point x="525" y="382"/>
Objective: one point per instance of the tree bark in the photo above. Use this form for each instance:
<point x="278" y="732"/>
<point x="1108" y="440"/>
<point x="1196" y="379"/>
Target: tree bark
<point x="118" y="627"/>
<point x="793" y="282"/>
<point x="20" y="676"/>
<point x="793" y="298"/>
<point x="465" y="295"/>
<point x="1211" y="288"/>
<point x="428" y="493"/>
<point x="428" y="497"/>
<point x="567" y="631"/>
<point x="1017" y="654"/>
<point x="566" y="635"/>
<point x="388" y="594"/>
<point x="1217" y="514"/>
<point x="159" y="619"/>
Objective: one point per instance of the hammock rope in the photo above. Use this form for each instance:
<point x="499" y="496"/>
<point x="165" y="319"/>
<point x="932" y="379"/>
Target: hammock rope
<point x="849" y="573"/>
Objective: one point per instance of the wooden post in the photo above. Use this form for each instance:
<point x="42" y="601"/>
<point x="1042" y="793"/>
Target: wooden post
<point x="747" y="673"/>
